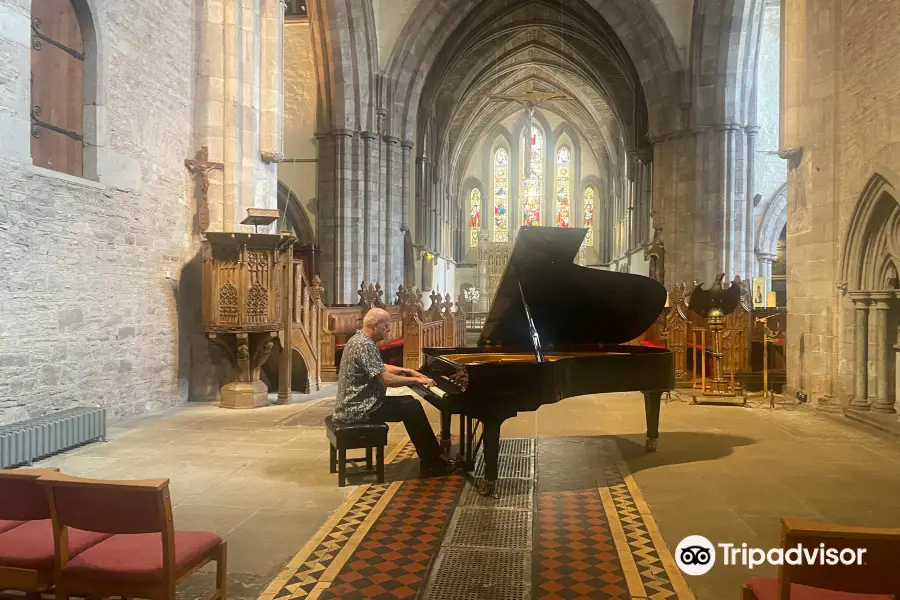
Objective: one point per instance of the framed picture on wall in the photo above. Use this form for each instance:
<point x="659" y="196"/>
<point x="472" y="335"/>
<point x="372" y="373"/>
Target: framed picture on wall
<point x="758" y="292"/>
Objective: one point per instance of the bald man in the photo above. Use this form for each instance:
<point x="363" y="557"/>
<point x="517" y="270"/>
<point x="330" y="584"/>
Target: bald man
<point x="363" y="379"/>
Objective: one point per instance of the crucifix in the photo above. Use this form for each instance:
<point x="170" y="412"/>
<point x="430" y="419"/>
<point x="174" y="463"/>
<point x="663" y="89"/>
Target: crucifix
<point x="529" y="100"/>
<point x="202" y="166"/>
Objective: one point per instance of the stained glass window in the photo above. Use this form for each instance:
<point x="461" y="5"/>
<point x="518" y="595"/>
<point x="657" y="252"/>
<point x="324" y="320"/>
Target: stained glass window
<point x="563" y="185"/>
<point x="501" y="195"/>
<point x="475" y="216"/>
<point x="589" y="215"/>
<point x="531" y="199"/>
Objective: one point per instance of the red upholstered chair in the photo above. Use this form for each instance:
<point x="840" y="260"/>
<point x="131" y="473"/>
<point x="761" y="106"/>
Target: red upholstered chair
<point x="27" y="552"/>
<point x="145" y="557"/>
<point x="878" y="578"/>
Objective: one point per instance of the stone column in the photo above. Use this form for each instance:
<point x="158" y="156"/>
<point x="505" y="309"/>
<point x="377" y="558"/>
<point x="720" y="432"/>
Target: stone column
<point x="406" y="146"/>
<point x="727" y="220"/>
<point x="391" y="180"/>
<point x="897" y="366"/>
<point x="765" y="262"/>
<point x="369" y="203"/>
<point x="343" y="282"/>
<point x="861" y="346"/>
<point x="884" y="397"/>
<point x="420" y="200"/>
<point x="749" y="242"/>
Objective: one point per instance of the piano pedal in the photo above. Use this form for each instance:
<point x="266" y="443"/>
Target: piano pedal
<point x="487" y="489"/>
<point x="652" y="444"/>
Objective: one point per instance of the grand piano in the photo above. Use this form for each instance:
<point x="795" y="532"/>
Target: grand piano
<point x="555" y="330"/>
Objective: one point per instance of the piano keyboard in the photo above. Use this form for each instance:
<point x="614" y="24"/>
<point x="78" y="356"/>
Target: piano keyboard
<point x="436" y="391"/>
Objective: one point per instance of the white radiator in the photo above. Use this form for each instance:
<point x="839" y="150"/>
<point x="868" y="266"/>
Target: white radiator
<point x="24" y="442"/>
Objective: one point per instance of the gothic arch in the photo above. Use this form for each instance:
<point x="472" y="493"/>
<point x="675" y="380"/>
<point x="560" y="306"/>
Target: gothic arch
<point x="723" y="60"/>
<point x="294" y="214"/>
<point x="464" y="201"/>
<point x="872" y="242"/>
<point x="490" y="146"/>
<point x="637" y="24"/>
<point x="345" y="55"/>
<point x="470" y="184"/>
<point x="773" y="222"/>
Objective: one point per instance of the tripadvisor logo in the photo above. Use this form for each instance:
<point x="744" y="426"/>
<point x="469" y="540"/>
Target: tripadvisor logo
<point x="696" y="555"/>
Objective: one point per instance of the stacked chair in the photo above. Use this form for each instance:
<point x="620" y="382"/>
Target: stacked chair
<point x="75" y="537"/>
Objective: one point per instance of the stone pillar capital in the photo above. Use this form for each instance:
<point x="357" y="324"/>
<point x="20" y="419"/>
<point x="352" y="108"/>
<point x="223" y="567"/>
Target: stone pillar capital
<point x="728" y="127"/>
<point x="342" y="132"/>
<point x="860" y="299"/>
<point x="752" y="130"/>
<point x="765" y="257"/>
<point x="368" y="135"/>
<point x="656" y="138"/>
<point x="643" y="155"/>
<point x="391" y="139"/>
<point x="407" y="144"/>
<point x="700" y="129"/>
<point x="880" y="300"/>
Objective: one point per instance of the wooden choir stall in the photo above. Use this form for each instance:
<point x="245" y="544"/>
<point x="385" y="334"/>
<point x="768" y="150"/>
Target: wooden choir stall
<point x="748" y="337"/>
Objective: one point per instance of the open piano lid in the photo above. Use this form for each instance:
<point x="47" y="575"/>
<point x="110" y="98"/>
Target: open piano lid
<point x="568" y="303"/>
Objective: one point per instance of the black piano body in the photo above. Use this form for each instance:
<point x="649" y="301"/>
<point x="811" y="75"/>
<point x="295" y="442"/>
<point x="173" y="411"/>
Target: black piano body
<point x="555" y="330"/>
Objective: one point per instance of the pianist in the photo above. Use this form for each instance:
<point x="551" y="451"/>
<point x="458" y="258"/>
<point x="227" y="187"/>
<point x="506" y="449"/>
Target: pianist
<point x="361" y="392"/>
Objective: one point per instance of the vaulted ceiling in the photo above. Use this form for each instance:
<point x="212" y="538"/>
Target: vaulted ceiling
<point x="560" y="46"/>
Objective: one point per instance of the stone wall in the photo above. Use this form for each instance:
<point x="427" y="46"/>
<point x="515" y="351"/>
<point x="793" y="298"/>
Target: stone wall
<point x="842" y="111"/>
<point x="88" y="315"/>
<point x="299" y="116"/>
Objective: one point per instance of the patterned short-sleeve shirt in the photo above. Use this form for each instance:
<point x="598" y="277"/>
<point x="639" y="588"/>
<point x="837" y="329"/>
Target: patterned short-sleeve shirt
<point x="359" y="390"/>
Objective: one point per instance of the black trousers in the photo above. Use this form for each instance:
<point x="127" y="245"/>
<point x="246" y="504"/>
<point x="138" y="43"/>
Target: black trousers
<point x="408" y="410"/>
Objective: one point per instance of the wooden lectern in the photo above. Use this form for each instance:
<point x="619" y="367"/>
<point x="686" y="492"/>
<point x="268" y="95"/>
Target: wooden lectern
<point x="243" y="293"/>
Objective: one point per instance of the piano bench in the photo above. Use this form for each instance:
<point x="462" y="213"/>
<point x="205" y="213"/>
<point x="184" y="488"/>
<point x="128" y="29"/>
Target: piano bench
<point x="343" y="437"/>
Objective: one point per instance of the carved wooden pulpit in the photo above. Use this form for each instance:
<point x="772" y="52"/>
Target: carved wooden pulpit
<point x="244" y="279"/>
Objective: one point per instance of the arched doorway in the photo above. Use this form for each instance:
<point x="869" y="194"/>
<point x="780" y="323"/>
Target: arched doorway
<point x="295" y="220"/>
<point x="869" y="276"/>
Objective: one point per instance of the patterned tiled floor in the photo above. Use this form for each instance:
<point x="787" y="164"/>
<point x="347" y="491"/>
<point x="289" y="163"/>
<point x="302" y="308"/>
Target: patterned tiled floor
<point x="590" y="536"/>
<point x="575" y="550"/>
<point x="394" y="558"/>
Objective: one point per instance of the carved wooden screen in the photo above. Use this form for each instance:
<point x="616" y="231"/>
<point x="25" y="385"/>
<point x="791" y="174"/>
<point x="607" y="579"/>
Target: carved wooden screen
<point x="57" y="71"/>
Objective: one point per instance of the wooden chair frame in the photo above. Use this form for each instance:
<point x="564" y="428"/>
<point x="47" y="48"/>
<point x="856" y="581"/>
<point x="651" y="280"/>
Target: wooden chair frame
<point x="68" y="585"/>
<point x="793" y="530"/>
<point x="26" y="580"/>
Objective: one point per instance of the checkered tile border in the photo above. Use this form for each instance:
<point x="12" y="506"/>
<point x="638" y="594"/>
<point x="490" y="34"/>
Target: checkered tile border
<point x="298" y="579"/>
<point x="575" y="554"/>
<point x="393" y="560"/>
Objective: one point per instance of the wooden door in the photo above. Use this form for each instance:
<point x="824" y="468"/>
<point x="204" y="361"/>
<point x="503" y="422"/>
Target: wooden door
<point x="57" y="95"/>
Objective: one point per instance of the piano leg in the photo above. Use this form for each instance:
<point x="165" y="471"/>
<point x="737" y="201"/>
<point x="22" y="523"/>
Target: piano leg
<point x="490" y="437"/>
<point x="463" y="441"/>
<point x="652" y="401"/>
<point x="446" y="417"/>
<point x="470" y="445"/>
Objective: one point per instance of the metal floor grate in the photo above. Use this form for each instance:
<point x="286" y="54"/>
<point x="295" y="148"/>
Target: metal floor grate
<point x="517" y="447"/>
<point x="490" y="528"/>
<point x="509" y="466"/>
<point x="467" y="574"/>
<point x="514" y="493"/>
